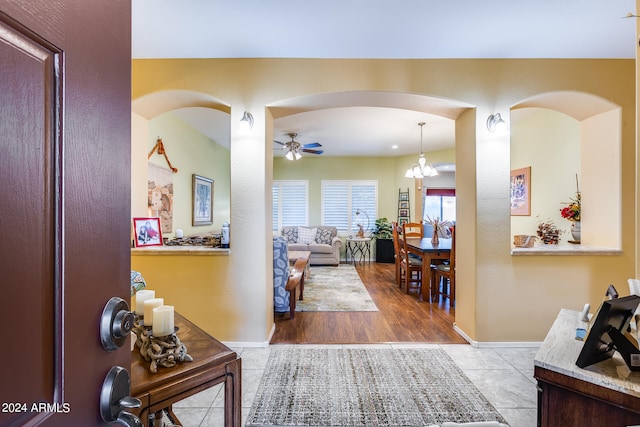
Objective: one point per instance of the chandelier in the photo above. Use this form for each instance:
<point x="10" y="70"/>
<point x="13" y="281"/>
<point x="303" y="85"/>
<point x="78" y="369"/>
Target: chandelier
<point x="422" y="169"/>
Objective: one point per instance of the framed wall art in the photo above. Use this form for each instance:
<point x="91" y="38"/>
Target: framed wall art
<point x="202" y="213"/>
<point x="147" y="231"/>
<point x="521" y="191"/>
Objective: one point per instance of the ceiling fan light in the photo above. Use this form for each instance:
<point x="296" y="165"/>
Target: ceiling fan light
<point x="298" y="156"/>
<point x="289" y="155"/>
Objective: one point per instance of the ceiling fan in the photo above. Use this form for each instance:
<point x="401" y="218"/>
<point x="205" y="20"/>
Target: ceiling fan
<point x="294" y="148"/>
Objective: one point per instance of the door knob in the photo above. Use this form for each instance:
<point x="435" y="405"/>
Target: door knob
<point x="115" y="324"/>
<point x="115" y="399"/>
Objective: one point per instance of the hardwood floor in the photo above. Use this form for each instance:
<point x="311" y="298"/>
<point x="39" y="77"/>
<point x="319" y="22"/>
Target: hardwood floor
<point x="401" y="317"/>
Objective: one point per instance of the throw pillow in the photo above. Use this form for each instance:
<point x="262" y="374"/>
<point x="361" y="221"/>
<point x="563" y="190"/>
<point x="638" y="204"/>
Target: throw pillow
<point x="323" y="236"/>
<point x="290" y="234"/>
<point x="306" y="235"/>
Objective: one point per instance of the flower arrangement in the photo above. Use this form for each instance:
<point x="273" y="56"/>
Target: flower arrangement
<point x="440" y="228"/>
<point x="572" y="210"/>
<point x="438" y="225"/>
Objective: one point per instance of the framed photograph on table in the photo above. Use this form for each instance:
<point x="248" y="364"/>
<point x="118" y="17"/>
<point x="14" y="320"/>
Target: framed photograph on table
<point x="521" y="191"/>
<point x="147" y="232"/>
<point x="202" y="213"/>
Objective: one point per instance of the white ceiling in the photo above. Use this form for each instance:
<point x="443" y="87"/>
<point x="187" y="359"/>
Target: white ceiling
<point x="376" y="29"/>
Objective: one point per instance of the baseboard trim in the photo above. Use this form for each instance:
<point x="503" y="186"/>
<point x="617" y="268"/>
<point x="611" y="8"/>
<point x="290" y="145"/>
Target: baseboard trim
<point x="252" y="344"/>
<point x="495" y="344"/>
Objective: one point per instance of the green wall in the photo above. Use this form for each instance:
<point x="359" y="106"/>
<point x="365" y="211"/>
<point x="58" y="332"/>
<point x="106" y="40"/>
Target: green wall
<point x="191" y="153"/>
<point x="388" y="171"/>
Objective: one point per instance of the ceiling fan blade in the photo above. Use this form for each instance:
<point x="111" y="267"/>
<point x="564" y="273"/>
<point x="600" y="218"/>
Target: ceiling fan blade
<point x="278" y="142"/>
<point x="312" y="145"/>
<point x="312" y="151"/>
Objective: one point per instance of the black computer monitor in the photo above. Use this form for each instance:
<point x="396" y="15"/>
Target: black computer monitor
<point x="606" y="334"/>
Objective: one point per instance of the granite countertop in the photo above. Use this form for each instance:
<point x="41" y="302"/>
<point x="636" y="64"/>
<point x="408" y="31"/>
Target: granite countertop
<point x="560" y="350"/>
<point x="565" y="249"/>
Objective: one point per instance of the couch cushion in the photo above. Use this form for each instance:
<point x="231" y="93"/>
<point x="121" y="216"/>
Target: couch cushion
<point x="290" y="234"/>
<point x="324" y="235"/>
<point x="320" y="248"/>
<point x="307" y="235"/>
<point x="298" y="247"/>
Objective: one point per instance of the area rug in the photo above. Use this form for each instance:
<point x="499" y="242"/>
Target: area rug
<point x="335" y="289"/>
<point x="365" y="387"/>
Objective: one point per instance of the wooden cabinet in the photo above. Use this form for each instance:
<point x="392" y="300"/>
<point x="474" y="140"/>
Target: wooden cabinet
<point x="606" y="394"/>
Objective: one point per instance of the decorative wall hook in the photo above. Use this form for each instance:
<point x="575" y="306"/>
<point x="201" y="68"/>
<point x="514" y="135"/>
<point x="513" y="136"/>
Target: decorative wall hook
<point x="159" y="147"/>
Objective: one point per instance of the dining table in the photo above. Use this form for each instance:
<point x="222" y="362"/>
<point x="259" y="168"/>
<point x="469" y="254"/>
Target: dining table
<point x="428" y="252"/>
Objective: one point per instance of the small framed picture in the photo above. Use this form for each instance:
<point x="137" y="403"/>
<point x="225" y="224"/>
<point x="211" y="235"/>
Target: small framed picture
<point x="521" y="192"/>
<point x="148" y="232"/>
<point x="402" y="221"/>
<point x="404" y="212"/>
<point x="202" y="213"/>
<point x="404" y="196"/>
<point x="404" y="205"/>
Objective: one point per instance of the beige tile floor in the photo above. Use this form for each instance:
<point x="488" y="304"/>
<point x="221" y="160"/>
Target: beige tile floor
<point x="504" y="375"/>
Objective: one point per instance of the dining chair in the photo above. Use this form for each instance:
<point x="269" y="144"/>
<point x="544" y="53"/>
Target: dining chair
<point x="443" y="276"/>
<point x="410" y="267"/>
<point x="395" y="229"/>
<point x="412" y="229"/>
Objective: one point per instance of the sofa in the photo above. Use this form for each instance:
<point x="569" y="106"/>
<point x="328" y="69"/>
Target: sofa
<point x="322" y="241"/>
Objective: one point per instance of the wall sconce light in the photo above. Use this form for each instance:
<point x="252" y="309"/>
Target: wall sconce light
<point x="246" y="123"/>
<point x="496" y="124"/>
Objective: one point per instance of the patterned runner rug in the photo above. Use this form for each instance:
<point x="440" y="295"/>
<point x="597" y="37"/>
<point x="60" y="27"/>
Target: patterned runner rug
<point x="335" y="289"/>
<point x="365" y="387"/>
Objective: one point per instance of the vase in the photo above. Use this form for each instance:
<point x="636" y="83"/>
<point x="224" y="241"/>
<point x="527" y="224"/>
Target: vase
<point x="434" y="237"/>
<point x="575" y="231"/>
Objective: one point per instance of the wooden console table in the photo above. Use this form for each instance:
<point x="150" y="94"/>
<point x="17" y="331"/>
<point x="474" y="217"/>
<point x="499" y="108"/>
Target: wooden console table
<point x="213" y="363"/>
<point x="606" y="394"/>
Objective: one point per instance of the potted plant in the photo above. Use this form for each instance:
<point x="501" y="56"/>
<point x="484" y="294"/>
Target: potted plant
<point x="383" y="236"/>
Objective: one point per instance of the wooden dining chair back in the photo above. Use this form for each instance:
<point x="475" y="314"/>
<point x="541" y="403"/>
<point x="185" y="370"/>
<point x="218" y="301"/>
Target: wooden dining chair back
<point x="395" y="230"/>
<point x="443" y="276"/>
<point x="412" y="229"/>
<point x="410" y="266"/>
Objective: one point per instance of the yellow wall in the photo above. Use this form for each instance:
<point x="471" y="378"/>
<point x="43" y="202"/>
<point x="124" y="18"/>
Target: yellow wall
<point x="546" y="140"/>
<point x="500" y="298"/>
<point x="197" y="286"/>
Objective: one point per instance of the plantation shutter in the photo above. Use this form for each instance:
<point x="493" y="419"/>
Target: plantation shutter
<point x="341" y="199"/>
<point x="290" y="203"/>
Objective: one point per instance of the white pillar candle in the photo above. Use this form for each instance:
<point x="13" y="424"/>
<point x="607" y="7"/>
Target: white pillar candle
<point x="141" y="296"/>
<point x="163" y="321"/>
<point x="179" y="234"/>
<point x="149" y="305"/>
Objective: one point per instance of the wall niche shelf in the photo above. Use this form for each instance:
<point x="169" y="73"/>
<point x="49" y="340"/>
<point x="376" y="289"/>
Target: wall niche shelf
<point x="180" y="250"/>
<point x="565" y="249"/>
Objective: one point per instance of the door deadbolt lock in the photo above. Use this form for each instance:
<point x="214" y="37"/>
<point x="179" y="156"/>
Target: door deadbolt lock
<point x="115" y="399"/>
<point x="116" y="324"/>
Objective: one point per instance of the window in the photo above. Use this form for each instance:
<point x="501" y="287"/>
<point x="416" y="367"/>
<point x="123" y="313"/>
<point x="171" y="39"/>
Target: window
<point x="341" y="200"/>
<point x="440" y="203"/>
<point x="290" y="203"/>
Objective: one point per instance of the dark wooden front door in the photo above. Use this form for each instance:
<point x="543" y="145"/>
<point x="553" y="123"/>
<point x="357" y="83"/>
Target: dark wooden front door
<point x="65" y="113"/>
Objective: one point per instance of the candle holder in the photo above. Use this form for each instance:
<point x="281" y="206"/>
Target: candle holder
<point x="164" y="351"/>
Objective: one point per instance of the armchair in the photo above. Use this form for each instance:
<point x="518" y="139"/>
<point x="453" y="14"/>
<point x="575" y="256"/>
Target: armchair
<point x="288" y="282"/>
